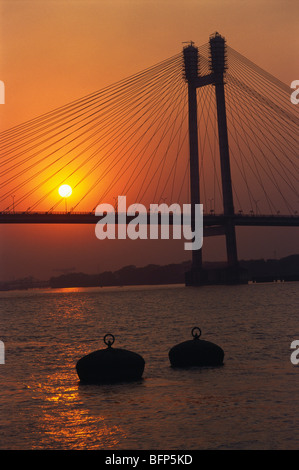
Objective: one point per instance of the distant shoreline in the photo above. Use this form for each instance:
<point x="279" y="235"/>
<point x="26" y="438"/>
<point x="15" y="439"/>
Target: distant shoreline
<point x="259" y="271"/>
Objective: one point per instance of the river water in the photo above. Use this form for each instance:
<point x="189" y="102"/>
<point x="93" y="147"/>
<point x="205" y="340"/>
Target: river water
<point x="252" y="402"/>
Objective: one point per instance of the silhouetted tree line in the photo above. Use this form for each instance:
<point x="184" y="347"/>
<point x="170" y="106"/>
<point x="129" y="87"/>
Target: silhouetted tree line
<point x="128" y="275"/>
<point x="286" y="269"/>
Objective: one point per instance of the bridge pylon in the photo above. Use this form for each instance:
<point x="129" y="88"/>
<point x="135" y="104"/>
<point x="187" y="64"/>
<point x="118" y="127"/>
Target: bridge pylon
<point x="232" y="272"/>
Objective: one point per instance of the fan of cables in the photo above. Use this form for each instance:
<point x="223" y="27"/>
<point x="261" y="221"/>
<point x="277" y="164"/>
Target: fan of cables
<point x="131" y="138"/>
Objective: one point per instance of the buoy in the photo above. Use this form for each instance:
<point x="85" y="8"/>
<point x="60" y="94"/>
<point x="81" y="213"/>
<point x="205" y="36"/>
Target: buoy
<point x="196" y="352"/>
<point x="110" y="364"/>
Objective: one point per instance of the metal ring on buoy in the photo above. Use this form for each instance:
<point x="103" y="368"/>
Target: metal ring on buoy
<point x="109" y="342"/>
<point x="196" y="335"/>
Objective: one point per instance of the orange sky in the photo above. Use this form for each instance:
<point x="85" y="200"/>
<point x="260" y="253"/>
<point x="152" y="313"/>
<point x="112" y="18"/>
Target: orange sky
<point x="53" y="52"/>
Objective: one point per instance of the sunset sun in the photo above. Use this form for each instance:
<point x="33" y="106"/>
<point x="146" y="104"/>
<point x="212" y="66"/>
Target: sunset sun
<point x="65" y="190"/>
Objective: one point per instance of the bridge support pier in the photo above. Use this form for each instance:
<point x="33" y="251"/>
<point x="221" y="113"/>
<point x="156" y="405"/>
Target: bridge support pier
<point x="231" y="273"/>
<point x="191" y="58"/>
<point x="218" y="276"/>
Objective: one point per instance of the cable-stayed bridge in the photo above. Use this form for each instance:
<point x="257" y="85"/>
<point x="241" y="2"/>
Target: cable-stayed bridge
<point x="204" y="126"/>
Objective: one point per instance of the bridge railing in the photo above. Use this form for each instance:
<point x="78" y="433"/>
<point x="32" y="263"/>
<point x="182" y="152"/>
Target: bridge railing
<point x="205" y="214"/>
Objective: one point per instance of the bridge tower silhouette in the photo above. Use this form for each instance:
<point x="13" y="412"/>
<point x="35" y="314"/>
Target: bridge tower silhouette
<point x="197" y="275"/>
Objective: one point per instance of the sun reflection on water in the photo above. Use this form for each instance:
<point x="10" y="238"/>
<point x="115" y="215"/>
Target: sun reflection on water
<point x="65" y="422"/>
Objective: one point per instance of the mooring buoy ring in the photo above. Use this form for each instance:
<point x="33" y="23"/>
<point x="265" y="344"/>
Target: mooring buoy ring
<point x="196" y="332"/>
<point x="109" y="342"/>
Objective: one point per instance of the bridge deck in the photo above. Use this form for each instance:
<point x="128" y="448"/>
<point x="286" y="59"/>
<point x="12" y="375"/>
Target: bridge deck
<point x="209" y="220"/>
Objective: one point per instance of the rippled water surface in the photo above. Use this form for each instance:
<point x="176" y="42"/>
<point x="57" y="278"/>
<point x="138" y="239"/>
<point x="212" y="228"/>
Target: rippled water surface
<point x="249" y="403"/>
